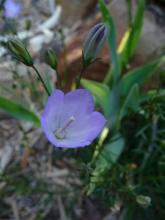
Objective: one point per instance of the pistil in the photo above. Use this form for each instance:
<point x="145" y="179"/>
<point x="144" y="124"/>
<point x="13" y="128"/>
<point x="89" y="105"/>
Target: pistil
<point x="60" y="133"/>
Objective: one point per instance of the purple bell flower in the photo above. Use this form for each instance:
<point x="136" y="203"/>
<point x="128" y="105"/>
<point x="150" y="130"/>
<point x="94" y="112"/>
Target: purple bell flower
<point x="69" y="120"/>
<point x="12" y="9"/>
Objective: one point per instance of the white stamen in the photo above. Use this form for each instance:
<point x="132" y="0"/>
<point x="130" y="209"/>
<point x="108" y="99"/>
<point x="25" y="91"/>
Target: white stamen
<point x="60" y="133"/>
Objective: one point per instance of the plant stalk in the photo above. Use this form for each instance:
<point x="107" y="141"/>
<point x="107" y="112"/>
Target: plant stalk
<point x="41" y="79"/>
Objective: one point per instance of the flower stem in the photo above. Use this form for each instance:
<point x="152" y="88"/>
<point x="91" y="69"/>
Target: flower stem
<point x="59" y="81"/>
<point x="80" y="76"/>
<point x="41" y="79"/>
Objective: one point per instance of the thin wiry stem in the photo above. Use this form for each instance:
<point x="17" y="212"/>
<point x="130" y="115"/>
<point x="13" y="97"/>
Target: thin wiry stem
<point x="59" y="81"/>
<point x="80" y="76"/>
<point x="41" y="79"/>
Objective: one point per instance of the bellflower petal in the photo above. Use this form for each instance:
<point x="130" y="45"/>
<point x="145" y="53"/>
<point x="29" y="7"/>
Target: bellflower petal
<point x="70" y="120"/>
<point x="53" y="110"/>
<point x="91" y="126"/>
<point x="78" y="104"/>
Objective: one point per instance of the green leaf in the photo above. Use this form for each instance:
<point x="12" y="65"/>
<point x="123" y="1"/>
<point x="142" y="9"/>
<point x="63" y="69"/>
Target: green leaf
<point x="114" y="72"/>
<point x="107" y="157"/>
<point x="114" y="105"/>
<point x="110" y="153"/>
<point x="139" y="75"/>
<point x="131" y="102"/>
<point x="108" y="100"/>
<point x="131" y="38"/>
<point x="18" y="111"/>
<point x="100" y="91"/>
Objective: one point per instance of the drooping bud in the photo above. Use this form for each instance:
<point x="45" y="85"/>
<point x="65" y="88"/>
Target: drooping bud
<point x="93" y="43"/>
<point x="143" y="201"/>
<point x="19" y="51"/>
<point x="51" y="58"/>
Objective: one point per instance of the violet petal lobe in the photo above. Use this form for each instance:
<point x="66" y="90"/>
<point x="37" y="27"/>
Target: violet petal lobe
<point x="69" y="120"/>
<point x="78" y="104"/>
<point x="89" y="128"/>
<point x="53" y="109"/>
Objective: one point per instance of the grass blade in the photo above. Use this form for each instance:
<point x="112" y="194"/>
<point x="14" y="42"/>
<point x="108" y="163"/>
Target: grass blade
<point x="114" y="72"/>
<point x="18" y="111"/>
<point x="131" y="38"/>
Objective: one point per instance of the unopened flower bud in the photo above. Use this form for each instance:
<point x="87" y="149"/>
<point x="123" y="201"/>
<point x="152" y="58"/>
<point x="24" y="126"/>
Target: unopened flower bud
<point x="143" y="201"/>
<point x="19" y="51"/>
<point x="93" y="43"/>
<point x="51" y="58"/>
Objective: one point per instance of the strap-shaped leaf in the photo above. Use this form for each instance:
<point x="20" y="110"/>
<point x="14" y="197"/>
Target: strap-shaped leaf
<point x="107" y="157"/>
<point x="131" y="102"/>
<point x="114" y="72"/>
<point x="131" y="38"/>
<point x="114" y="105"/>
<point x="18" y="111"/>
<point x="100" y="91"/>
<point x="139" y="75"/>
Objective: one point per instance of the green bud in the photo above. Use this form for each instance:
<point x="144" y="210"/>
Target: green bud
<point x="143" y="201"/>
<point x="19" y="51"/>
<point x="51" y="58"/>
